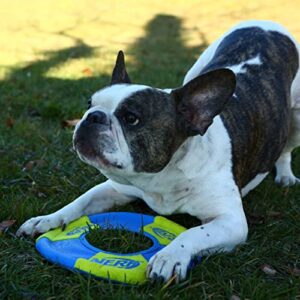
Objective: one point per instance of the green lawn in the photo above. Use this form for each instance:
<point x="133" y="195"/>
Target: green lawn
<point x="54" y="55"/>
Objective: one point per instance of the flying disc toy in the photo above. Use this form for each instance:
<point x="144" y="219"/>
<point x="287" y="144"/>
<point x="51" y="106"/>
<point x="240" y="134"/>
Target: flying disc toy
<point x="70" y="248"/>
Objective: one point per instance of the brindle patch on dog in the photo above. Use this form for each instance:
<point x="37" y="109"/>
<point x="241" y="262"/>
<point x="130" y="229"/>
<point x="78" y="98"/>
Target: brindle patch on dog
<point x="257" y="116"/>
<point x="154" y="139"/>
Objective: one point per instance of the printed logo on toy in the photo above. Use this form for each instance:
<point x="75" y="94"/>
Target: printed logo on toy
<point x="118" y="262"/>
<point x="164" y="233"/>
<point x="79" y="230"/>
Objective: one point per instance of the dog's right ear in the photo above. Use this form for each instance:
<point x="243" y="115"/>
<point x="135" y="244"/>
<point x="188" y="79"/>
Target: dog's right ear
<point x="119" y="74"/>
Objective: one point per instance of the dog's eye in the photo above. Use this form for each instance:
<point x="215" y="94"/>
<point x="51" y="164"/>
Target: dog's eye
<point x="131" y="119"/>
<point x="89" y="103"/>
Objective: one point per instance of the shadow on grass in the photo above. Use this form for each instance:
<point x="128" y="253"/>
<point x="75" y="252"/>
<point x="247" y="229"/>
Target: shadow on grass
<point x="31" y="92"/>
<point x="160" y="58"/>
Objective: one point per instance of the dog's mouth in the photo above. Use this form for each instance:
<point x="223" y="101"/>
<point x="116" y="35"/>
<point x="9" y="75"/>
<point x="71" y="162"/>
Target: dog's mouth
<point x="94" y="147"/>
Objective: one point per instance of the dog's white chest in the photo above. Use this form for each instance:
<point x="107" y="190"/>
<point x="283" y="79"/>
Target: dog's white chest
<point x="169" y="202"/>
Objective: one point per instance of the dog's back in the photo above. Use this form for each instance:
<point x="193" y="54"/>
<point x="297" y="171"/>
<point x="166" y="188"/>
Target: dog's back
<point x="257" y="117"/>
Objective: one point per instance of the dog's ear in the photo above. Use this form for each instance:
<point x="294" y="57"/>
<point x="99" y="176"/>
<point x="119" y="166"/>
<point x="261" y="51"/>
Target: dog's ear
<point x="119" y="74"/>
<point x="201" y="99"/>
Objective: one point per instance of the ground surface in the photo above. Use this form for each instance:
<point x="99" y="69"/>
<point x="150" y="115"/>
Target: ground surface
<point x="53" y="55"/>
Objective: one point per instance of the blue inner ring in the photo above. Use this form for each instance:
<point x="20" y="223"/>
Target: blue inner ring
<point x="129" y="221"/>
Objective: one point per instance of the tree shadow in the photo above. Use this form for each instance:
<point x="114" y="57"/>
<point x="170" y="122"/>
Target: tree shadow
<point x="160" y="58"/>
<point x="28" y="92"/>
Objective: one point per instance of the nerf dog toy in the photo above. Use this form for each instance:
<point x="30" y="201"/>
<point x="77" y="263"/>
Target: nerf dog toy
<point x="70" y="248"/>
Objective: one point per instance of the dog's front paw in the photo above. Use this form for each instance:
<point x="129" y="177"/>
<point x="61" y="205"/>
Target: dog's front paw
<point x="41" y="224"/>
<point x="170" y="261"/>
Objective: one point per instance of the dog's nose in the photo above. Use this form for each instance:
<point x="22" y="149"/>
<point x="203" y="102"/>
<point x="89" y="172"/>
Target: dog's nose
<point x="98" y="117"/>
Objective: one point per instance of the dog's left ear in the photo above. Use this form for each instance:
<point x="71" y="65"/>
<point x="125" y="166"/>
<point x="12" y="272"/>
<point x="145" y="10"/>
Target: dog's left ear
<point x="201" y="99"/>
<point x="119" y="74"/>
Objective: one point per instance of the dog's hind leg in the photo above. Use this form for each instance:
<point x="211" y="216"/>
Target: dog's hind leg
<point x="284" y="173"/>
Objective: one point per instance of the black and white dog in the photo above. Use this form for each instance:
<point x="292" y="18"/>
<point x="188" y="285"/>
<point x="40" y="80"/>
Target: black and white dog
<point x="196" y="149"/>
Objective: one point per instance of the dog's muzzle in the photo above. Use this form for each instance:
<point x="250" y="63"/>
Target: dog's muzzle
<point x="93" y="137"/>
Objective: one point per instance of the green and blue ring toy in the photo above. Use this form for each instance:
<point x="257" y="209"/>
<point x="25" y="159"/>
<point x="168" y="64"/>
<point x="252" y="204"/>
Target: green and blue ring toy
<point x="71" y="250"/>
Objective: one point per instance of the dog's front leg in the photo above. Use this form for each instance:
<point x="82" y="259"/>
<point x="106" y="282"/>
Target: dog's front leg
<point x="98" y="199"/>
<point x="223" y="233"/>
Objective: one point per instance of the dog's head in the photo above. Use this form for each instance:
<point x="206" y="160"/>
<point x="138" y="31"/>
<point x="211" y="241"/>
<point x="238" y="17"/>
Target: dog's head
<point x="137" y="128"/>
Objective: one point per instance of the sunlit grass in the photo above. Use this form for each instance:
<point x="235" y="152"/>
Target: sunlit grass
<point x="29" y="28"/>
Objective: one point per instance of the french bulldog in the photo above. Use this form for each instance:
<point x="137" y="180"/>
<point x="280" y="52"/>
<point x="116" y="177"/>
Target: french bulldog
<point x="196" y="149"/>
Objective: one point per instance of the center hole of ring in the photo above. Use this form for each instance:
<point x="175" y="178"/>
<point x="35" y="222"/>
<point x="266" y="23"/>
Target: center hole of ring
<point x="117" y="240"/>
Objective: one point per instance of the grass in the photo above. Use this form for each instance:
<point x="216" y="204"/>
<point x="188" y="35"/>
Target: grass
<point x="118" y="240"/>
<point x="54" y="55"/>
